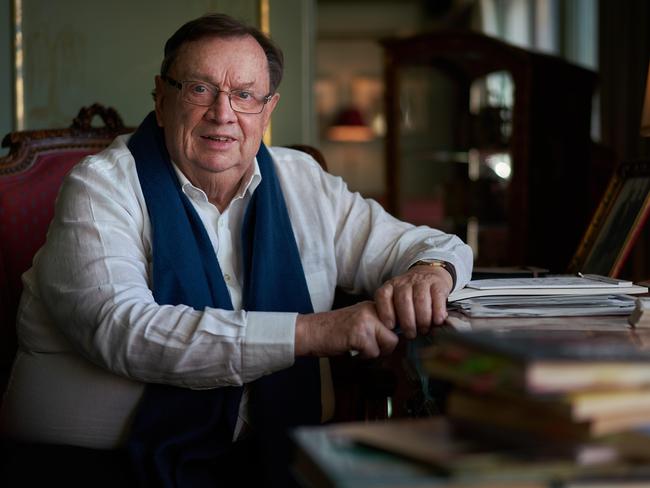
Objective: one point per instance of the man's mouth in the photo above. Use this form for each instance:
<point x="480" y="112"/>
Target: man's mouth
<point x="219" y="138"/>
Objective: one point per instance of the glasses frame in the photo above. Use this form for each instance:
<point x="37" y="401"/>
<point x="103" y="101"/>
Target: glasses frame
<point x="179" y="85"/>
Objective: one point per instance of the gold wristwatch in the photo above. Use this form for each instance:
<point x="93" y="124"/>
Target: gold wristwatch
<point x="436" y="263"/>
<point x="433" y="262"/>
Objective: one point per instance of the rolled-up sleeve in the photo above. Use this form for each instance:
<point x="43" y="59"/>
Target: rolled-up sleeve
<point x="369" y="245"/>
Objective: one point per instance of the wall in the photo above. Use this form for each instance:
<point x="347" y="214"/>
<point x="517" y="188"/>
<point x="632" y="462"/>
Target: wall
<point x="349" y="72"/>
<point x="293" y="28"/>
<point x="6" y="89"/>
<point x="81" y="52"/>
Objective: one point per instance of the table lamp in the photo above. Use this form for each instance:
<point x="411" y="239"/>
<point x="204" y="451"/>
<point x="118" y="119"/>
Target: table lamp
<point x="349" y="126"/>
<point x="645" y="115"/>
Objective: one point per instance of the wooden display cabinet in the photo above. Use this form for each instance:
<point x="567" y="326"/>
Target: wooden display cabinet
<point x="491" y="142"/>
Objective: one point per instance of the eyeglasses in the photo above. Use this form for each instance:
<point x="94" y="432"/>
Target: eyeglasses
<point x="205" y="94"/>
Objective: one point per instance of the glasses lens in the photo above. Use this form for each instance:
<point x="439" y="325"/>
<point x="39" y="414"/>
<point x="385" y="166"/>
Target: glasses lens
<point x="246" y="102"/>
<point x="204" y="94"/>
<point x="199" y="93"/>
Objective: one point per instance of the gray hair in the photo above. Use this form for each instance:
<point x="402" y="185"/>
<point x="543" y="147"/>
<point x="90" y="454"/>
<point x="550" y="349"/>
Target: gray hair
<point x="223" y="26"/>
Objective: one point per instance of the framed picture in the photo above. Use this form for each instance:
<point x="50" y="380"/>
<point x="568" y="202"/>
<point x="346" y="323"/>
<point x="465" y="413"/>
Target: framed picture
<point x="618" y="220"/>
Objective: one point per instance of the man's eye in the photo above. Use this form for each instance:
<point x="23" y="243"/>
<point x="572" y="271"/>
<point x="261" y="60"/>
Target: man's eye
<point x="243" y="95"/>
<point x="198" y="89"/>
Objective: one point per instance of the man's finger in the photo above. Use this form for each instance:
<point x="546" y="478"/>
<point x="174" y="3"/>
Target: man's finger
<point x="384" y="305"/>
<point x="439" y="306"/>
<point x="422" y="304"/>
<point x="403" y="303"/>
<point x="386" y="340"/>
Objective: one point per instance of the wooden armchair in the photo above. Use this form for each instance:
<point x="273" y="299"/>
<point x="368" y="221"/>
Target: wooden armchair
<point x="30" y="177"/>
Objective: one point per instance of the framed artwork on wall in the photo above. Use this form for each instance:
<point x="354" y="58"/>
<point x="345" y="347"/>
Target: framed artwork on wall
<point x="617" y="222"/>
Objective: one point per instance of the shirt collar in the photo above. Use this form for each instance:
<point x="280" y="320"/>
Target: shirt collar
<point x="245" y="188"/>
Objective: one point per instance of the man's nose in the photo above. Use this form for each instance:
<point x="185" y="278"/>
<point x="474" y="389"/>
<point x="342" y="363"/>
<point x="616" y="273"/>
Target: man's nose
<point x="220" y="109"/>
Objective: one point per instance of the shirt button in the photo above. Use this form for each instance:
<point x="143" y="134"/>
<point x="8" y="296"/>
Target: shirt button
<point x="226" y="277"/>
<point x="221" y="223"/>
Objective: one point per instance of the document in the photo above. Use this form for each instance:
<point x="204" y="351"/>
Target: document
<point x="546" y="306"/>
<point x="550" y="296"/>
<point x="547" y="286"/>
<point x="584" y="281"/>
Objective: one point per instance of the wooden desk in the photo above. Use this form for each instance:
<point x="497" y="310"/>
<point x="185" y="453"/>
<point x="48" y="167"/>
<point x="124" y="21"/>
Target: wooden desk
<point x="329" y="456"/>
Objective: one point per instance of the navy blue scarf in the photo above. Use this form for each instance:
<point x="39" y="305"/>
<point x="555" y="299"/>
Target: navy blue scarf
<point x="183" y="437"/>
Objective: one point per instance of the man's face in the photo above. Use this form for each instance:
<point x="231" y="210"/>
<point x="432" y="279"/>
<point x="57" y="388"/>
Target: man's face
<point x="215" y="139"/>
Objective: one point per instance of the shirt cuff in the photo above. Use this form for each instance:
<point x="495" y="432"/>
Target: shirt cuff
<point x="269" y="343"/>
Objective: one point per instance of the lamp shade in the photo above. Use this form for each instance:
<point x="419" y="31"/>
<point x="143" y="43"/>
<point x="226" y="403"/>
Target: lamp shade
<point x="349" y="126"/>
<point x="645" y="115"/>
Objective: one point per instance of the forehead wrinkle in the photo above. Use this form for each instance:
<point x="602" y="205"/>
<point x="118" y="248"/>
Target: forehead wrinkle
<point x="237" y="85"/>
<point x="193" y="59"/>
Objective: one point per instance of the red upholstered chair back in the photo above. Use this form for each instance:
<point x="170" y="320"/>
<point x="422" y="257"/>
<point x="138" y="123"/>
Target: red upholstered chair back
<point x="30" y="177"/>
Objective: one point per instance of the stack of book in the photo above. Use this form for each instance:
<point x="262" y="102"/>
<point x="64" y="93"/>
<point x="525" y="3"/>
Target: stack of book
<point x="544" y="387"/>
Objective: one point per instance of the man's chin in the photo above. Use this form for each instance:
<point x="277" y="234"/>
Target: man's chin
<point x="222" y="165"/>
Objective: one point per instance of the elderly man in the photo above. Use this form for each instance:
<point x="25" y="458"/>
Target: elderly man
<point x="184" y="294"/>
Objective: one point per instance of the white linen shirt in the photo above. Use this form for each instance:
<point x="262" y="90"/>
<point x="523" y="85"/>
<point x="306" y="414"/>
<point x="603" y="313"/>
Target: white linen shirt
<point x="91" y="335"/>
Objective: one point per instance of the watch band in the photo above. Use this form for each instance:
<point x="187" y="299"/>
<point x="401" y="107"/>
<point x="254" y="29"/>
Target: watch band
<point x="433" y="262"/>
<point x="436" y="263"/>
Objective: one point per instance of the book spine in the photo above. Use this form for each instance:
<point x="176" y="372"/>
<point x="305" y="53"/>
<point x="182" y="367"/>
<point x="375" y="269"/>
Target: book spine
<point x="476" y="371"/>
<point x="530" y="418"/>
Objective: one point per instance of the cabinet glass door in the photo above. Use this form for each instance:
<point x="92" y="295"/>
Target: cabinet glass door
<point x="454" y="165"/>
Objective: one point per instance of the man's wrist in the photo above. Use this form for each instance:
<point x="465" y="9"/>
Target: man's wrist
<point x="438" y="263"/>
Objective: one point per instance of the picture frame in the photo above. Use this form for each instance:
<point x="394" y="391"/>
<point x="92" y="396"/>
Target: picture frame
<point x="617" y="222"/>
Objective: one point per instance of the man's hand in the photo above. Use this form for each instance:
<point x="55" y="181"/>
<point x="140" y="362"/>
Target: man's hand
<point x="415" y="300"/>
<point x="355" y="328"/>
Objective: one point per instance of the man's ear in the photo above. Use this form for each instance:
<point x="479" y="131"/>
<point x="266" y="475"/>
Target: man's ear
<point x="270" y="107"/>
<point x="160" y="99"/>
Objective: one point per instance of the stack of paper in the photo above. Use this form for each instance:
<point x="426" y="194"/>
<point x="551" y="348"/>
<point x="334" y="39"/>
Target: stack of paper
<point x="547" y="306"/>
<point x="552" y="296"/>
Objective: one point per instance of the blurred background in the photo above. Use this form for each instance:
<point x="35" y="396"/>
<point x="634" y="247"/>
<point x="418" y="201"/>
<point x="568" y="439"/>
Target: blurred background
<point x="498" y="120"/>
